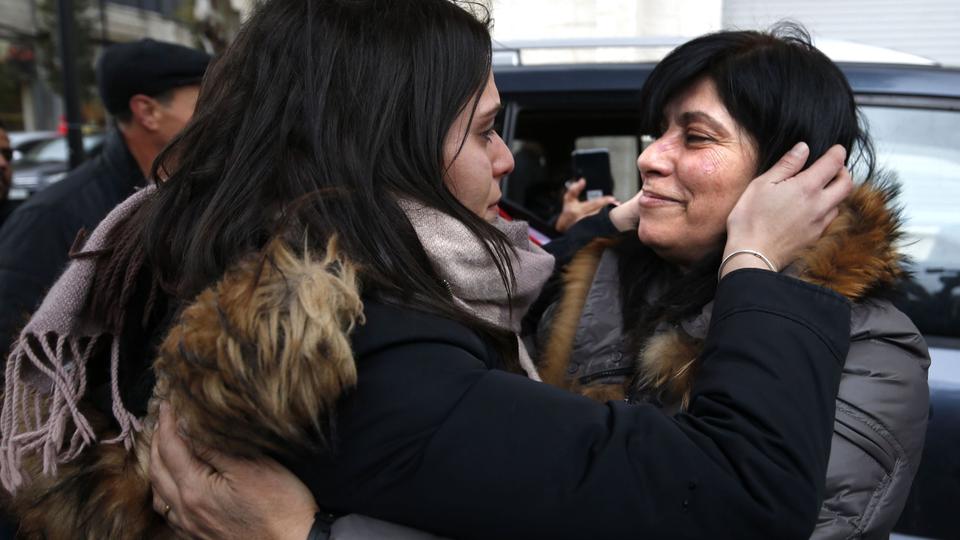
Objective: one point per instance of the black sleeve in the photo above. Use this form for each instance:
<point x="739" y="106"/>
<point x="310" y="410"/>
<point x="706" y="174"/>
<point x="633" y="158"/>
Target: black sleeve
<point x="580" y="234"/>
<point x="433" y="439"/>
<point x="34" y="247"/>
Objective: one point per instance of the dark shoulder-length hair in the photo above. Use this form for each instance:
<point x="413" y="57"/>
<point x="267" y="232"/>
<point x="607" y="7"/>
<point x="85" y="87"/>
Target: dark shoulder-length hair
<point x="778" y="87"/>
<point x="781" y="90"/>
<point x="312" y="123"/>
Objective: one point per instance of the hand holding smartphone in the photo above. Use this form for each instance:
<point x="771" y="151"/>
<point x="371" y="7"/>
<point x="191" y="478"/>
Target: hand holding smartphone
<point x="593" y="164"/>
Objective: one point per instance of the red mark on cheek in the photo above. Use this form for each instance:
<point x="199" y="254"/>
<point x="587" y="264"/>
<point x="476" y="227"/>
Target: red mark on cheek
<point x="711" y="162"/>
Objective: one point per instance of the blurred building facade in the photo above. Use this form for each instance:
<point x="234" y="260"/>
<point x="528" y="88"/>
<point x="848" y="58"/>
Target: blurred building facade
<point x="922" y="27"/>
<point x="565" y="19"/>
<point x="27" y="100"/>
<point x="928" y="28"/>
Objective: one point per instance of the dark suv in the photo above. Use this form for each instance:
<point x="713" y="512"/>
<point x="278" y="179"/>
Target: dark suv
<point x="913" y="113"/>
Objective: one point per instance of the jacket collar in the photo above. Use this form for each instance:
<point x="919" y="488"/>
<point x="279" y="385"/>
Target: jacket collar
<point x="117" y="159"/>
<point x="858" y="254"/>
<point x="857" y="257"/>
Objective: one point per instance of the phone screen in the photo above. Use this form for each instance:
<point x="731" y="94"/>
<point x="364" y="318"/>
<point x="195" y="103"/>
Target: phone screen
<point x="594" y="165"/>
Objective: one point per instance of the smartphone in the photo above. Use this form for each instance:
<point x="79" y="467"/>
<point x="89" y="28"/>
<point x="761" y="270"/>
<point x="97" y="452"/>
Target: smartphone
<point x="594" y="165"/>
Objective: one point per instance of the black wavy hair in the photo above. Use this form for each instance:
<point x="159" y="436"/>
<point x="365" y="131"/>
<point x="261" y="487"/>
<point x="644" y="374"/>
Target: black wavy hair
<point x="781" y="90"/>
<point x="313" y="122"/>
<point x="777" y="86"/>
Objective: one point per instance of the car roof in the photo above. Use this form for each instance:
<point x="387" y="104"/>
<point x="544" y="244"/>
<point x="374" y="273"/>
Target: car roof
<point x="870" y="70"/>
<point x="932" y="81"/>
<point x="866" y="78"/>
<point x="877" y="79"/>
<point x="654" y="48"/>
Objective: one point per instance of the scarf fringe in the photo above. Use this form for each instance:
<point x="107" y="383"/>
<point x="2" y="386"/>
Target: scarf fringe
<point x="44" y="384"/>
<point x="129" y="425"/>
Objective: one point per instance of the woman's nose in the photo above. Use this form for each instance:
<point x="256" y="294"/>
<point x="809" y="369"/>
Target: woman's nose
<point x="656" y="159"/>
<point x="503" y="159"/>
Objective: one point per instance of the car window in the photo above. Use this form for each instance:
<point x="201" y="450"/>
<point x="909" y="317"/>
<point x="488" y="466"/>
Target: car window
<point x="922" y="148"/>
<point x="57" y="150"/>
<point x="543" y="141"/>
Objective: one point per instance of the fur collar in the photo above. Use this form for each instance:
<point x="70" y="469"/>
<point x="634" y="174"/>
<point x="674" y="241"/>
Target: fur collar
<point x="254" y="366"/>
<point x="856" y="257"/>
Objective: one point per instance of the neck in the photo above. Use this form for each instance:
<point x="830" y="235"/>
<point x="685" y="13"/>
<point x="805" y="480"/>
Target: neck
<point x="684" y="264"/>
<point x="141" y="147"/>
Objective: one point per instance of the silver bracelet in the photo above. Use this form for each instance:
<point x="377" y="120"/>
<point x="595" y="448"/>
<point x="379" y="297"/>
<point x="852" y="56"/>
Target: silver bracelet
<point x="753" y="252"/>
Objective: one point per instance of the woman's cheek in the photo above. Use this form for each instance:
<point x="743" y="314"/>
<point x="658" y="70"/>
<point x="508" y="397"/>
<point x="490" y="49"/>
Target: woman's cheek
<point x="712" y="161"/>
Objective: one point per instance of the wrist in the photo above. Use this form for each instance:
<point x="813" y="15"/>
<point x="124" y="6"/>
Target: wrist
<point x="736" y="259"/>
<point x="564" y="221"/>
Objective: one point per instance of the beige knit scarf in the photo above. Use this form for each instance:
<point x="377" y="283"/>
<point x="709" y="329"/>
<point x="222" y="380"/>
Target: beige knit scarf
<point x="46" y="370"/>
<point x="471" y="275"/>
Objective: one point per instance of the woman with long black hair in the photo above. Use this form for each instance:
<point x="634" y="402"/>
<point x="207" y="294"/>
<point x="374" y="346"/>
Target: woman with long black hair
<point x="323" y="269"/>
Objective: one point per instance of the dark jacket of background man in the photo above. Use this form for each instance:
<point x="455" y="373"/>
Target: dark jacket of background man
<point x="151" y="89"/>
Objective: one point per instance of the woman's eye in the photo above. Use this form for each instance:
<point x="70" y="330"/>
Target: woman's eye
<point x="488" y="134"/>
<point x="695" y="138"/>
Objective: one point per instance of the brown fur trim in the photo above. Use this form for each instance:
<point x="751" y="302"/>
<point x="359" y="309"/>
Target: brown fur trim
<point x="577" y="278"/>
<point x="858" y="253"/>
<point x="856" y="256"/>
<point x="668" y="365"/>
<point x="257" y="363"/>
<point x="601" y="392"/>
<point x="253" y="366"/>
<point x="103" y="493"/>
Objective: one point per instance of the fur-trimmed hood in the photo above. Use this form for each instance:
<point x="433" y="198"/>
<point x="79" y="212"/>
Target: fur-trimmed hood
<point x="253" y="366"/>
<point x="857" y="256"/>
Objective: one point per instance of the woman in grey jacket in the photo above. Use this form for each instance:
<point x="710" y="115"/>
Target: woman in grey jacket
<point x="720" y="107"/>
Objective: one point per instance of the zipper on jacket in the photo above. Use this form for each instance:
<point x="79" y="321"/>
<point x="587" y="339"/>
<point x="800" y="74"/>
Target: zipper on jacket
<point x="614" y="372"/>
<point x="851" y="425"/>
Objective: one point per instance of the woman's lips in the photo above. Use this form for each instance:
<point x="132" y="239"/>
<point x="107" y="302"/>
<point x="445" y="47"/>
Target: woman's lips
<point x="652" y="199"/>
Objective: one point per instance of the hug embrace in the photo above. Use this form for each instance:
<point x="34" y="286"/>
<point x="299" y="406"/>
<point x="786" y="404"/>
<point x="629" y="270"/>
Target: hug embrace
<point x="315" y="323"/>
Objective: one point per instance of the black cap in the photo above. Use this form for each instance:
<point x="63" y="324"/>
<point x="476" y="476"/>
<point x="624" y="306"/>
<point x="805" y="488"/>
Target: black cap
<point x="146" y="67"/>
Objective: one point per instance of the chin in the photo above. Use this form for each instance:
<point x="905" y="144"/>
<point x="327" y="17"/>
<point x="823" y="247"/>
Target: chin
<point x="661" y="246"/>
<point x="650" y="236"/>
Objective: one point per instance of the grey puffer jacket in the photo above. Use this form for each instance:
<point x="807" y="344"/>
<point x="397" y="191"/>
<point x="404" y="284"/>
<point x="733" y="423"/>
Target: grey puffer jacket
<point x="883" y="400"/>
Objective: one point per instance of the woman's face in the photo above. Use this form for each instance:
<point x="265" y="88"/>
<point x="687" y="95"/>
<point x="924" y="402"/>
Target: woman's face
<point x="693" y="175"/>
<point x="473" y="172"/>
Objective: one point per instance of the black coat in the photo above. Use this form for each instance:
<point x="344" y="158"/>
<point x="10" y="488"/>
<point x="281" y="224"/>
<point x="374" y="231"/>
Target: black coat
<point x="436" y="437"/>
<point x="6" y="208"/>
<point x="35" y="240"/>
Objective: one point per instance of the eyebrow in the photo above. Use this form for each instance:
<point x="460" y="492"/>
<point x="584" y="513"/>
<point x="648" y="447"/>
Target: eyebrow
<point x="690" y="117"/>
<point x="491" y="112"/>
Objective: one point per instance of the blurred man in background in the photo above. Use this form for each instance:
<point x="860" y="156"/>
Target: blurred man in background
<point x="151" y="90"/>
